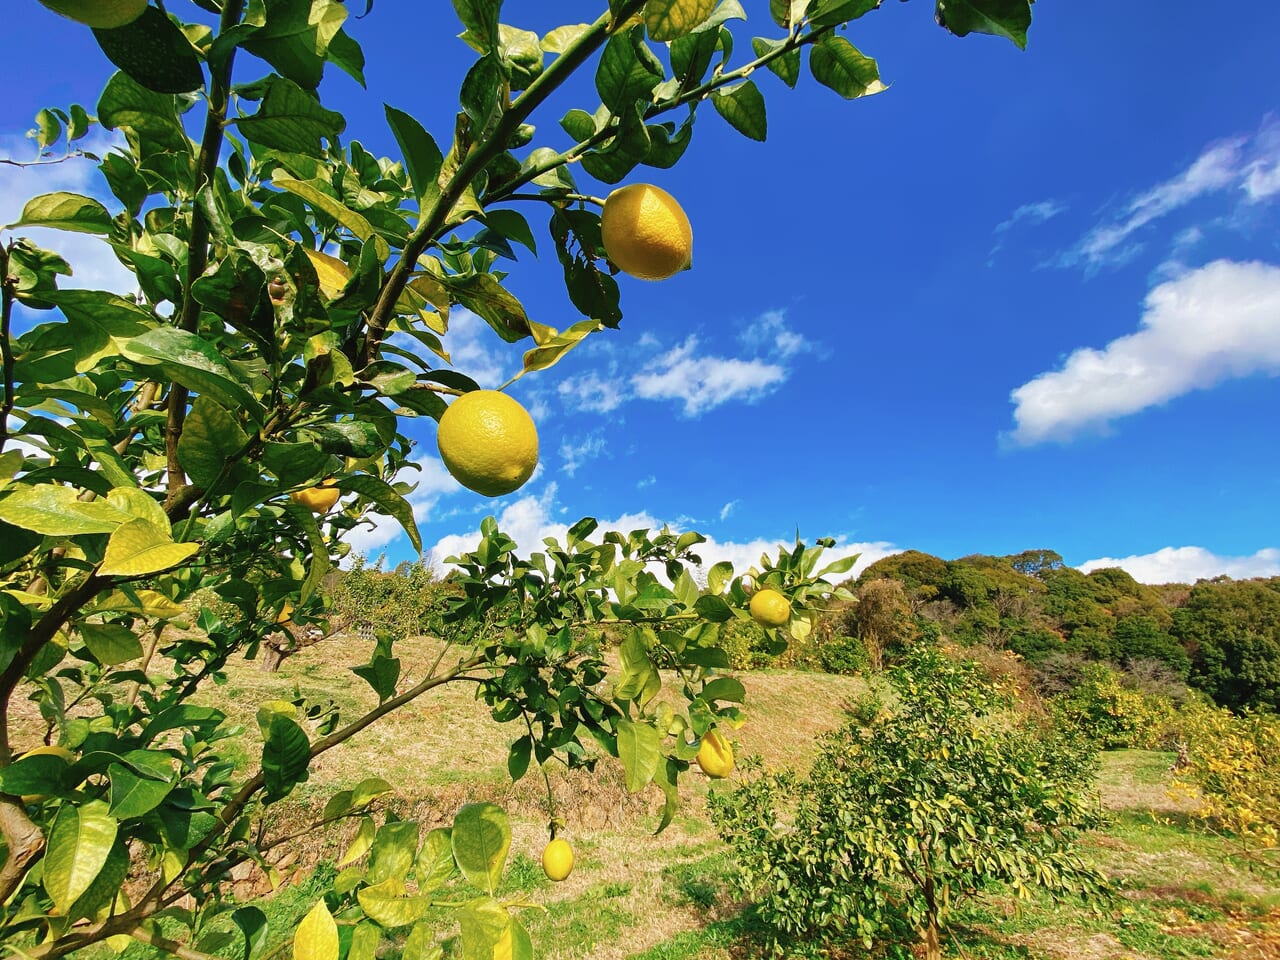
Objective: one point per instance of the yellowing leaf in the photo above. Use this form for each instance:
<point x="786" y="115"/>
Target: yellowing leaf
<point x="139" y="547"/>
<point x="317" y="936"/>
<point x="332" y="273"/>
<point x="148" y="603"/>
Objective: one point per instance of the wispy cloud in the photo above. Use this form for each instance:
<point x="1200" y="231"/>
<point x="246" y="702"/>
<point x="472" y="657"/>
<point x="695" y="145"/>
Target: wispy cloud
<point x="728" y="509"/>
<point x="592" y="393"/>
<point x="1246" y="166"/>
<point x="1215" y="323"/>
<point x="433" y="483"/>
<point x="1189" y="564"/>
<point x="770" y="334"/>
<point x="1029" y="214"/>
<point x="574" y="452"/>
<point x="702" y="381"/>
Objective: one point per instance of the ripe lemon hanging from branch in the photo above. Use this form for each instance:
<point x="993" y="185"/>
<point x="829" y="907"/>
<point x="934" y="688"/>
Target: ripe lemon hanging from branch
<point x="488" y="442"/>
<point x="645" y="232"/>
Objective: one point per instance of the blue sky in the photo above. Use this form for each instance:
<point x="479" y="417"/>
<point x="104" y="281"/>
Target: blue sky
<point x="1020" y="299"/>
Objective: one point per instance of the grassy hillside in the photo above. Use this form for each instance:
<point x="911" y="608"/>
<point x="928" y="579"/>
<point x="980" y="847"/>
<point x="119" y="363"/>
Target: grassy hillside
<point x="659" y="898"/>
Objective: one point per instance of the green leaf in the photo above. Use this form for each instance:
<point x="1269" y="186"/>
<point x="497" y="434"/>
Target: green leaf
<point x="100" y="323"/>
<point x="422" y="158"/>
<point x="110" y="643"/>
<point x="481" y="838"/>
<point x="743" y="107"/>
<point x="140" y="547"/>
<point x="57" y="511"/>
<point x="317" y="935"/>
<point x="296" y="36"/>
<point x="286" y="754"/>
<point x="42" y="773"/>
<point x="360" y="843"/>
<point x="480" y="17"/>
<point x="512" y="225"/>
<point x="193" y="362"/>
<point x="713" y="608"/>
<point x="381" y="673"/>
<point x="836" y="63"/>
<point x="843" y="565"/>
<point x="1001" y="18"/>
<point x="387" y="500"/>
<point x="387" y="905"/>
<point x="132" y="795"/>
<point x="785" y="67"/>
<point x="364" y="942"/>
<point x="669" y="19"/>
<point x="435" y="860"/>
<point x="154" y="52"/>
<point x="483" y="921"/>
<point x="561" y="38"/>
<point x="291" y="120"/>
<point x="152" y="117"/>
<point x="368" y="790"/>
<point x="325" y="203"/>
<point x="639" y="750"/>
<point x="725" y="688"/>
<point x="80" y="841"/>
<point x="48" y="129"/>
<point x="394" y="849"/>
<point x="253" y="925"/>
<point x="65" y="211"/>
<point x="719" y="575"/>
<point x="518" y="757"/>
<point x="628" y="71"/>
<point x="484" y="296"/>
<point x="827" y="12"/>
<point x="210" y="438"/>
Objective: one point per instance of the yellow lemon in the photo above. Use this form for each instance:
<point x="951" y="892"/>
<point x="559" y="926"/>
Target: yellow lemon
<point x="769" y="608"/>
<point x="100" y="14"/>
<point x="645" y="232"/>
<point x="488" y="442"/>
<point x="557" y="859"/>
<point x="286" y="613"/>
<point x="715" y="755"/>
<point x="319" y="499"/>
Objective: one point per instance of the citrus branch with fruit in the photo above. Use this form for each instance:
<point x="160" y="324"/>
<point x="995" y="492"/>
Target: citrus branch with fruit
<point x="222" y="430"/>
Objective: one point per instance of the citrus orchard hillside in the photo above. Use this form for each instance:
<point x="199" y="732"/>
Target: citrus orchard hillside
<point x="185" y="458"/>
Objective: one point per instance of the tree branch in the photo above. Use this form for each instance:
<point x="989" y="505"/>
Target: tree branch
<point x="8" y="292"/>
<point x="198" y="243"/>
<point x="23" y="840"/>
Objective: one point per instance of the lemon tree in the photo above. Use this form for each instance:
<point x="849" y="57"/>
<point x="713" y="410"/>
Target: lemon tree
<point x="220" y="429"/>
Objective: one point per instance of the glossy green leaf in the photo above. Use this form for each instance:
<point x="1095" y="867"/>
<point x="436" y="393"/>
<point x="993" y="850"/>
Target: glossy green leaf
<point x="330" y="205"/>
<point x="132" y="795"/>
<point x="292" y="120"/>
<point x="1001" y="18"/>
<point x="286" y="755"/>
<point x="628" y="71"/>
<point x="481" y="838"/>
<point x="255" y="930"/>
<point x="786" y="66"/>
<point x="65" y="211"/>
<point x="639" y="750"/>
<point x="669" y="19"/>
<point x="484" y="296"/>
<point x="387" y="500"/>
<point x="364" y="942"/>
<point x="80" y="841"/>
<point x="435" y="864"/>
<point x="154" y="52"/>
<point x="139" y="547"/>
<point x="368" y="790"/>
<point x="725" y="688"/>
<point x="110" y="643"/>
<point x="743" y="107"/>
<point x="838" y="64"/>
<point x="713" y="608"/>
<point x="296" y="36"/>
<point x="719" y="576"/>
<point x="210" y="438"/>
<point x="317" y="935"/>
<point x="823" y="13"/>
<point x="422" y="158"/>
<point x="193" y="362"/>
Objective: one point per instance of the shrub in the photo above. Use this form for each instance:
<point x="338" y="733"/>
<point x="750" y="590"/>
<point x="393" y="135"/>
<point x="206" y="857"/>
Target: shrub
<point x="1101" y="708"/>
<point x="909" y="809"/>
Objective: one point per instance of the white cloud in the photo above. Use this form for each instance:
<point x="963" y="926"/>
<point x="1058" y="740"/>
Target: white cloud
<point x="592" y="393"/>
<point x="530" y="519"/>
<point x="433" y="483"/>
<point x="1189" y="564"/>
<point x="92" y="261"/>
<point x="769" y="332"/>
<point x="575" y="453"/>
<point x="1248" y="167"/>
<point x="648" y="481"/>
<point x="1029" y="213"/>
<point x="475" y="349"/>
<point x="1215" y="323"/>
<point x="728" y="509"/>
<point x="705" y="382"/>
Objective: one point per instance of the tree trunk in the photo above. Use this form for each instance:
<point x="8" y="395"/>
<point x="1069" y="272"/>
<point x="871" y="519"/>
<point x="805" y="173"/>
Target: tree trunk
<point x="932" y="941"/>
<point x="287" y="640"/>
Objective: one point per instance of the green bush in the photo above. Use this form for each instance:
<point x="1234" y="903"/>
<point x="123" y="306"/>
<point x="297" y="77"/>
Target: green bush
<point x="909" y="809"/>
<point x="844" y="655"/>
<point x="1101" y="708"/>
